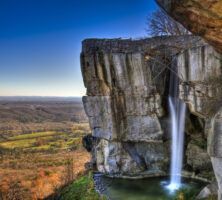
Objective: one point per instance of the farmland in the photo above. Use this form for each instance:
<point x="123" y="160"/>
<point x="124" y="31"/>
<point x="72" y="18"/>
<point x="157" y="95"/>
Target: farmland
<point x="40" y="147"/>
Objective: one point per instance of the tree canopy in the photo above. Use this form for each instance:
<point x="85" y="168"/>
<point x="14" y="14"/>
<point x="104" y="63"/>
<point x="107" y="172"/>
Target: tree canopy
<point x="160" y="23"/>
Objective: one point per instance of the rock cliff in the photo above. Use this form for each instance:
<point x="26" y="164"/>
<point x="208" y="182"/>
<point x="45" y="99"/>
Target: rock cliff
<point x="203" y="18"/>
<point x="127" y="102"/>
<point x="200" y="70"/>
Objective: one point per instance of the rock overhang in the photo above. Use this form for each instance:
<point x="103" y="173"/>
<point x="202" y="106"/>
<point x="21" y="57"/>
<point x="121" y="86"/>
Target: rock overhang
<point x="203" y="18"/>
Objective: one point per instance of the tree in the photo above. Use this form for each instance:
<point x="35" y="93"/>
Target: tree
<point x="160" y="23"/>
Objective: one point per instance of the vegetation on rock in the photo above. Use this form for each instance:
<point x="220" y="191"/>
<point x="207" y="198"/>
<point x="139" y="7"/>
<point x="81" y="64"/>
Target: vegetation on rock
<point x="81" y="189"/>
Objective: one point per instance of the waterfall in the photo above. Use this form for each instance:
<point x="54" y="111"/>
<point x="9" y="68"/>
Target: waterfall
<point x="177" y="114"/>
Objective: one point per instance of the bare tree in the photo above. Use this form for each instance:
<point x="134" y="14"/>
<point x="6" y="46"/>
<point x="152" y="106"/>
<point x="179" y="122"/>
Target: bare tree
<point x="160" y="23"/>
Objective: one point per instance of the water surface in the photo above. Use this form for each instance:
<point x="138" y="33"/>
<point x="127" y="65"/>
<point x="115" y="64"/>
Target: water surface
<point x="143" y="189"/>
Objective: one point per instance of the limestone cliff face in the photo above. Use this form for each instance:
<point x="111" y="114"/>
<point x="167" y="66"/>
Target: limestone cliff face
<point x="127" y="103"/>
<point x="200" y="71"/>
<point x="202" y="17"/>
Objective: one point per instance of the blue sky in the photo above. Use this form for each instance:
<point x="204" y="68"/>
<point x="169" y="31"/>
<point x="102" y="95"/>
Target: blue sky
<point x="40" y="40"/>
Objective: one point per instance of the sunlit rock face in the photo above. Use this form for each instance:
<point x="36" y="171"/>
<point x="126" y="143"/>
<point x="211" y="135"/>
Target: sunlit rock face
<point x="127" y="101"/>
<point x="202" y="17"/>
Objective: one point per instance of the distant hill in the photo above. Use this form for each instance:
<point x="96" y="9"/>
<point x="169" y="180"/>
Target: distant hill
<point x="27" y="114"/>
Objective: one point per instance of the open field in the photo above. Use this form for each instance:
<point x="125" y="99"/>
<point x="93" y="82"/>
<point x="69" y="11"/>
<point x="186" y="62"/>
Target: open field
<point x="46" y="140"/>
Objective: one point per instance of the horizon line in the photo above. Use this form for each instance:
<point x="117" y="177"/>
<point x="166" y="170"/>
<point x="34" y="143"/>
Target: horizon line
<point x="38" y="96"/>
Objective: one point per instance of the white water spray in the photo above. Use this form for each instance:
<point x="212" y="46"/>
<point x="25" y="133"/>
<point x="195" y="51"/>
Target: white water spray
<point x="177" y="113"/>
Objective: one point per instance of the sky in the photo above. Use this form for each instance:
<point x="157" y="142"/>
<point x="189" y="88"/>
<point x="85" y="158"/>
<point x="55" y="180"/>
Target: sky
<point x="40" y="40"/>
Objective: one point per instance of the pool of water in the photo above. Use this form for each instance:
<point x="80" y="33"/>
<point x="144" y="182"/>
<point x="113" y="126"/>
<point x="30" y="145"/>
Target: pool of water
<point x="143" y="189"/>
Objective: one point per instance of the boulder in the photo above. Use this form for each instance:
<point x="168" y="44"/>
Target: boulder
<point x="207" y="191"/>
<point x="197" y="157"/>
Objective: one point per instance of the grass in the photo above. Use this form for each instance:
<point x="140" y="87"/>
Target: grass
<point x="185" y="193"/>
<point x="46" y="140"/>
<point x="82" y="189"/>
<point x="189" y="193"/>
<point x="18" y="144"/>
<point x="34" y="135"/>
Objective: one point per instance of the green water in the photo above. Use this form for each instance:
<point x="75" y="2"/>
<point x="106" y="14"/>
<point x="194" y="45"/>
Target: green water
<point x="145" y="189"/>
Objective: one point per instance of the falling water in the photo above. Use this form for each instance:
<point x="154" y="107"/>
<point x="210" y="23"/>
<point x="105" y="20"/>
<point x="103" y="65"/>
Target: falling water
<point x="177" y="113"/>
